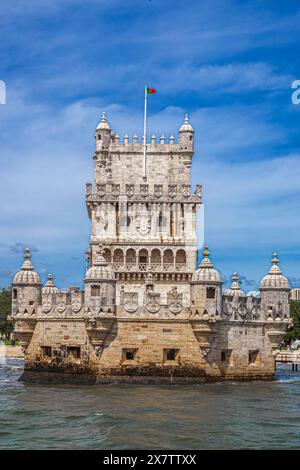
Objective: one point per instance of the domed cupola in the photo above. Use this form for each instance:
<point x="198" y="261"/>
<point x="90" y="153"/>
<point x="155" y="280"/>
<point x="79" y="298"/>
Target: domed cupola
<point x="206" y="288"/>
<point x="186" y="134"/>
<point x="50" y="287"/>
<point x="27" y="276"/>
<point x="235" y="289"/>
<point x="275" y="278"/>
<point x="186" y="126"/>
<point x="206" y="272"/>
<point x="101" y="270"/>
<point x="26" y="289"/>
<point x="103" y="124"/>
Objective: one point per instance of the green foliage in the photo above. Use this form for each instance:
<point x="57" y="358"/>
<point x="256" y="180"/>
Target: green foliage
<point x="294" y="333"/>
<point x="6" y="326"/>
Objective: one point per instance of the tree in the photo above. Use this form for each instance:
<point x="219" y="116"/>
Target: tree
<point x="6" y="326"/>
<point x="294" y="333"/>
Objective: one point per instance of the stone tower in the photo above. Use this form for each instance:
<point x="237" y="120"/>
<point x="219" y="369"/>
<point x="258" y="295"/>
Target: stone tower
<point x="145" y="224"/>
<point x="146" y="313"/>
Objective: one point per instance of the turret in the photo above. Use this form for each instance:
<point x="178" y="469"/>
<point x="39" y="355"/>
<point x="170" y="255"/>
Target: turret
<point x="274" y="293"/>
<point x="100" y="287"/>
<point x="186" y="135"/>
<point x="206" y="288"/>
<point x="26" y="289"/>
<point x="103" y="134"/>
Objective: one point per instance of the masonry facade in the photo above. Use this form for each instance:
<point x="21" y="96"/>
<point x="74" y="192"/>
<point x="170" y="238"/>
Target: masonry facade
<point x="146" y="313"/>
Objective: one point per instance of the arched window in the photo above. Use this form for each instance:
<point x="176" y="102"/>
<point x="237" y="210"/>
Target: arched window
<point x="155" y="257"/>
<point x="107" y="255"/>
<point x="118" y="256"/>
<point x="168" y="257"/>
<point x="143" y="256"/>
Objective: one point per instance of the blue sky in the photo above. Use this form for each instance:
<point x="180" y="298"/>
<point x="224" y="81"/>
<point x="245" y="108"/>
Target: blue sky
<point x="229" y="64"/>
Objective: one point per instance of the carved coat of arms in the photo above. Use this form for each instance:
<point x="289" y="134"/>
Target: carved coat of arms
<point x="175" y="300"/>
<point x="115" y="190"/>
<point x="172" y="190"/>
<point x="130" y="301"/>
<point x="143" y="221"/>
<point x="144" y="190"/>
<point x="101" y="190"/>
<point x="130" y="190"/>
<point x="153" y="302"/>
<point x="186" y="190"/>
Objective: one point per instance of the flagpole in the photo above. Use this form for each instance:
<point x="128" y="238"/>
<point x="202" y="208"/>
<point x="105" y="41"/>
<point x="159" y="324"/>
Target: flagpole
<point x="145" y="136"/>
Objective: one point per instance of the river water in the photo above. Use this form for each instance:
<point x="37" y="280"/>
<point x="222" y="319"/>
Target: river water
<point x="257" y="415"/>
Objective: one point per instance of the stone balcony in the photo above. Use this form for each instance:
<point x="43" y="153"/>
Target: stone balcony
<point x="150" y="267"/>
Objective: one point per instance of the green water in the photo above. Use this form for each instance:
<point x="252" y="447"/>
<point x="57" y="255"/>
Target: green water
<point x="259" y="415"/>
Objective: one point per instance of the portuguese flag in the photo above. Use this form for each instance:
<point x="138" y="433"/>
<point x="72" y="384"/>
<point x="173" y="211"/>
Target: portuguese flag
<point x="150" y="91"/>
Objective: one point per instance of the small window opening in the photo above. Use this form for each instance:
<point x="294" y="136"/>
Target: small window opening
<point x="129" y="354"/>
<point x="254" y="357"/>
<point x="15" y="293"/>
<point x="226" y="356"/>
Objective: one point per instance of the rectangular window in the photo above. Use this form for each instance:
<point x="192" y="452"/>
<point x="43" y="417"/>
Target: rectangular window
<point x="226" y="356"/>
<point x="47" y="351"/>
<point x="15" y="293"/>
<point x="95" y="291"/>
<point x="171" y="354"/>
<point x="254" y="358"/>
<point x="73" y="352"/>
<point x="31" y="302"/>
<point x="129" y="354"/>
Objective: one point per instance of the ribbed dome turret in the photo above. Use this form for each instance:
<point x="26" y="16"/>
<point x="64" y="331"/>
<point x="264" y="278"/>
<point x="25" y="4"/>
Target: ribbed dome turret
<point x="235" y="289"/>
<point x="27" y="275"/>
<point x="50" y="287"/>
<point x="186" y="126"/>
<point x="101" y="270"/>
<point x="206" y="272"/>
<point x="275" y="278"/>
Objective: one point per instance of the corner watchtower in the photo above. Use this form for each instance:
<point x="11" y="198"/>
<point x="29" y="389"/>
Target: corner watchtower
<point x="186" y="135"/>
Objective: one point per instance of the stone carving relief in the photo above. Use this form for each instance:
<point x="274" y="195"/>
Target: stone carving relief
<point x="101" y="190"/>
<point x="186" y="190"/>
<point x="130" y="301"/>
<point x="115" y="190"/>
<point x="172" y="190"/>
<point x="153" y="302"/>
<point x="47" y="306"/>
<point x="158" y="190"/>
<point x="130" y="190"/>
<point x="144" y="190"/>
